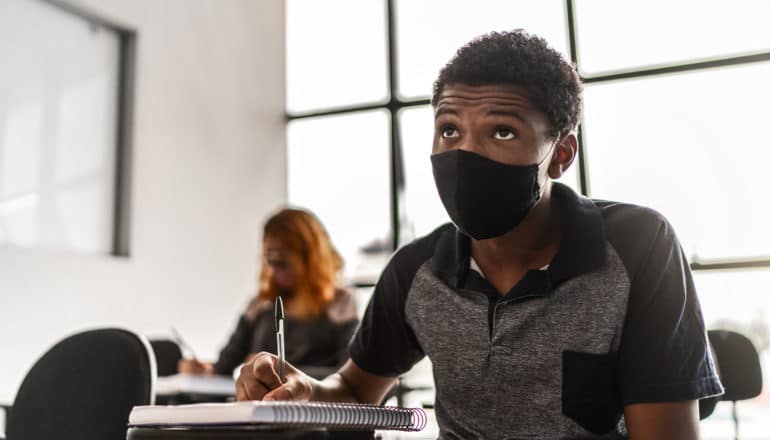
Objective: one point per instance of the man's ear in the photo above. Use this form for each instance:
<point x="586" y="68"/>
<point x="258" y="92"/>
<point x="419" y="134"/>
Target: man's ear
<point x="565" y="152"/>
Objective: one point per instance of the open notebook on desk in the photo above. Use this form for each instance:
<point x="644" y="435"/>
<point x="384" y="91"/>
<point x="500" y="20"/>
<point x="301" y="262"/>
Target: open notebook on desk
<point x="281" y="414"/>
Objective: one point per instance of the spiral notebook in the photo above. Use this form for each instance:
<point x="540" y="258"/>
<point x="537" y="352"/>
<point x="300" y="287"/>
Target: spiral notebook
<point x="281" y="414"/>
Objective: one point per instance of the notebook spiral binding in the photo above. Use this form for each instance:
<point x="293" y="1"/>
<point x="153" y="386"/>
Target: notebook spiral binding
<point x="351" y="416"/>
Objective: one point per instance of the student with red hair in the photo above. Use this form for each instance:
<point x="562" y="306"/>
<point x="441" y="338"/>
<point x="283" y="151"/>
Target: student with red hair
<point x="301" y="265"/>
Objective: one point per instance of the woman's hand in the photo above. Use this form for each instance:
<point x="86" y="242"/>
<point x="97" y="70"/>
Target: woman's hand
<point x="258" y="380"/>
<point x="194" y="366"/>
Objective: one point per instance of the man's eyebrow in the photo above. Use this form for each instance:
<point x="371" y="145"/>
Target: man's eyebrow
<point x="444" y="111"/>
<point x="510" y="113"/>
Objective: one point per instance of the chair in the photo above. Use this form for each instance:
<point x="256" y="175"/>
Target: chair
<point x="84" y="387"/>
<point x="167" y="356"/>
<point x="739" y="370"/>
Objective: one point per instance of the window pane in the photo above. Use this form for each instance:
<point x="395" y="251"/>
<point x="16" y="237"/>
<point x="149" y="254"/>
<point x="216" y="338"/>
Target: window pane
<point x="58" y="128"/>
<point x="423" y="210"/>
<point x="737" y="300"/>
<point x="691" y="146"/>
<point x="335" y="53"/>
<point x="430" y="31"/>
<point x="616" y="35"/>
<point x="338" y="167"/>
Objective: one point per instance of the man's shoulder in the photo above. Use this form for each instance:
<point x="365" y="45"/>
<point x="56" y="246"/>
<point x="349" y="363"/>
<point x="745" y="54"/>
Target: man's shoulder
<point x="621" y="217"/>
<point x="638" y="234"/>
<point x="613" y="217"/>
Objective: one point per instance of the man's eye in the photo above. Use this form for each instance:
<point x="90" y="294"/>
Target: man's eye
<point x="449" y="132"/>
<point x="504" y="133"/>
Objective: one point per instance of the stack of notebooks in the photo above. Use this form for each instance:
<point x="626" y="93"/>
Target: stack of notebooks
<point x="182" y="421"/>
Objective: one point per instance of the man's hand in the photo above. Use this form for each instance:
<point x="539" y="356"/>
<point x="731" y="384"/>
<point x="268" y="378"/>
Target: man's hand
<point x="258" y="380"/>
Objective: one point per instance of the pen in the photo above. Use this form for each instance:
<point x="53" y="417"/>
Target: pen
<point x="182" y="343"/>
<point x="279" y="339"/>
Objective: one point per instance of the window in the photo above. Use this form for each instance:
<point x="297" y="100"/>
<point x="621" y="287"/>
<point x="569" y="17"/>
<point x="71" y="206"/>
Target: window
<point x="338" y="162"/>
<point x="618" y="36"/>
<point x="428" y="32"/>
<point x="62" y="110"/>
<point x="685" y="144"/>
<point x="335" y="54"/>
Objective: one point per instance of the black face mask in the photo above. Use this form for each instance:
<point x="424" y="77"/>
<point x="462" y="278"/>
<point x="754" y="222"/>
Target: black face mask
<point x="484" y="198"/>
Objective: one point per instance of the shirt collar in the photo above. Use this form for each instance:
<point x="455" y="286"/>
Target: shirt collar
<point x="581" y="250"/>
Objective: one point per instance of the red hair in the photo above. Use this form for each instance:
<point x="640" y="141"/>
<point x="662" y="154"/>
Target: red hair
<point x="315" y="260"/>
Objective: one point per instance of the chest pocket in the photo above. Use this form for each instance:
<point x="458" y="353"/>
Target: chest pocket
<point x="590" y="394"/>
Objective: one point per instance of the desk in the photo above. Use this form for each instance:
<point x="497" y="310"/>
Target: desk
<point x="191" y="388"/>
<point x="243" y="433"/>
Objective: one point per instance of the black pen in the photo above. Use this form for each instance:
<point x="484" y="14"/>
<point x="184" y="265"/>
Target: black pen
<point x="279" y="339"/>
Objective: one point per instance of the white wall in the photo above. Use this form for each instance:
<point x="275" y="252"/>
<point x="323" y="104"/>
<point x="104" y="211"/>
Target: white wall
<point x="209" y="164"/>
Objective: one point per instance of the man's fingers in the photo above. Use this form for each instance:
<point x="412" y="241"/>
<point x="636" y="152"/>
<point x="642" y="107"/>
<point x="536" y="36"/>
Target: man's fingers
<point x="285" y="392"/>
<point x="294" y="389"/>
<point x="241" y="393"/>
<point x="263" y="367"/>
<point x="248" y="386"/>
<point x="258" y="380"/>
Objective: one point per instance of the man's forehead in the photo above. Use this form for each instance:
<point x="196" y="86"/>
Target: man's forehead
<point x="496" y="94"/>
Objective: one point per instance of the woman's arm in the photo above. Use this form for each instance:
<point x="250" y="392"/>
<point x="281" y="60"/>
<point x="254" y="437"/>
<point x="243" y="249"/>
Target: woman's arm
<point x="194" y="366"/>
<point x="237" y="348"/>
<point x="343" y="314"/>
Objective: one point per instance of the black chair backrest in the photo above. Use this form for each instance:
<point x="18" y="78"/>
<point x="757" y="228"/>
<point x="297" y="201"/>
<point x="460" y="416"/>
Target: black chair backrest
<point x="84" y="387"/>
<point x="739" y="367"/>
<point x="167" y="356"/>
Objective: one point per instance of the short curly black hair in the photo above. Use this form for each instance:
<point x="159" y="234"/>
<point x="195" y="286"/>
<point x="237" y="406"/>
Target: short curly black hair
<point x="521" y="59"/>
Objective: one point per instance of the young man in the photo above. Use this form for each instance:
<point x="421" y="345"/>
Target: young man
<point x="545" y="314"/>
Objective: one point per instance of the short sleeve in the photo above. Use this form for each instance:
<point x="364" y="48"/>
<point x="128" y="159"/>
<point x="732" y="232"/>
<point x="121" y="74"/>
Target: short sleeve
<point x="664" y="354"/>
<point x="384" y="344"/>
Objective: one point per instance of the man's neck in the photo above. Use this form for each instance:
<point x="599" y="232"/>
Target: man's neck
<point x="530" y="245"/>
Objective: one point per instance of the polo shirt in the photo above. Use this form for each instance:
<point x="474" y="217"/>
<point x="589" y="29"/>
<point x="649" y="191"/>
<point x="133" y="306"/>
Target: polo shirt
<point x="611" y="321"/>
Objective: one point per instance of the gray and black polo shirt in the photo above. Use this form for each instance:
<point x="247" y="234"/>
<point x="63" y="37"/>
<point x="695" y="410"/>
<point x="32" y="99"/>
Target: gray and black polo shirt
<point x="613" y="320"/>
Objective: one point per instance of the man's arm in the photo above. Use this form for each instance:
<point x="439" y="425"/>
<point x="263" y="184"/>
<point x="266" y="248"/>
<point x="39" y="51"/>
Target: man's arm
<point x="259" y="380"/>
<point x="663" y="421"/>
<point x="663" y="355"/>
<point x="363" y="386"/>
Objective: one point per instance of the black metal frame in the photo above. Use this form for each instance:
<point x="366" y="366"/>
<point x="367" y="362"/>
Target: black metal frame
<point x="395" y="104"/>
<point x="123" y="142"/>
